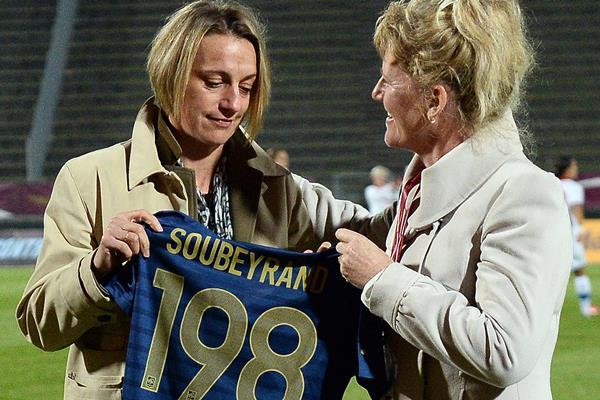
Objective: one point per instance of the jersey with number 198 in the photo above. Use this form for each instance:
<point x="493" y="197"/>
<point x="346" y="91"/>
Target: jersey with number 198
<point x="220" y="319"/>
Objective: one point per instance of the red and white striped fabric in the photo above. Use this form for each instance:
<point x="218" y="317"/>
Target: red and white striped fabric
<point x="409" y="201"/>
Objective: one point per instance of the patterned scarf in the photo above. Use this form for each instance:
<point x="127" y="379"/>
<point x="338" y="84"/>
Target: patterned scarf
<point x="213" y="207"/>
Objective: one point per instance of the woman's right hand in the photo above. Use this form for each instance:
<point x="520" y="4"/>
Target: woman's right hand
<point x="123" y="238"/>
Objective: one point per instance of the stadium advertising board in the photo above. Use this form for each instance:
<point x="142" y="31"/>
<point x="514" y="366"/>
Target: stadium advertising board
<point x="20" y="246"/>
<point x="22" y="206"/>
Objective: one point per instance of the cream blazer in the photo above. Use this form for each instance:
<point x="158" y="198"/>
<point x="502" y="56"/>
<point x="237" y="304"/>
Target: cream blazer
<point x="475" y="301"/>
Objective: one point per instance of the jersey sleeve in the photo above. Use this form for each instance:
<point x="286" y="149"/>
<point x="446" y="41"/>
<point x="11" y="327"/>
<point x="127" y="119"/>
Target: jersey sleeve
<point x="121" y="286"/>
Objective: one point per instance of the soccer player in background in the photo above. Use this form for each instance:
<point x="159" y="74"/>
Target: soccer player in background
<point x="566" y="169"/>
<point x="381" y="192"/>
<point x="192" y="150"/>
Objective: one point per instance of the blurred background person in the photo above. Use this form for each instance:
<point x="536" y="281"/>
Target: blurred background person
<point x="381" y="192"/>
<point x="473" y="282"/>
<point x="567" y="170"/>
<point x="4" y="214"/>
<point x="280" y="156"/>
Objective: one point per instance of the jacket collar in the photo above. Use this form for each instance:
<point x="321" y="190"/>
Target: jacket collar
<point x="153" y="146"/>
<point x="460" y="172"/>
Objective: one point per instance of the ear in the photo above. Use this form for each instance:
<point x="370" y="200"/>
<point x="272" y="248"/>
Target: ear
<point x="437" y="103"/>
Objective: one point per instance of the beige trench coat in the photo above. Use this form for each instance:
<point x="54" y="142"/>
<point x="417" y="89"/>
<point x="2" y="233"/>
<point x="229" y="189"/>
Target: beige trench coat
<point x="63" y="305"/>
<point x="475" y="300"/>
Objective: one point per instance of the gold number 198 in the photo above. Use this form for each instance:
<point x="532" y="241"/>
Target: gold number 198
<point x="216" y="360"/>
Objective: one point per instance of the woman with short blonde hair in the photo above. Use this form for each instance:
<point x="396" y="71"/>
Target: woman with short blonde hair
<point x="174" y="48"/>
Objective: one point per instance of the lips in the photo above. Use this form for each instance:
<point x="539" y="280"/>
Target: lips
<point x="223" y="122"/>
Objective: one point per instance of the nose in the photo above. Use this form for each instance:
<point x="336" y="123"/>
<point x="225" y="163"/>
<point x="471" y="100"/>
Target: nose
<point x="231" y="101"/>
<point x="377" y="93"/>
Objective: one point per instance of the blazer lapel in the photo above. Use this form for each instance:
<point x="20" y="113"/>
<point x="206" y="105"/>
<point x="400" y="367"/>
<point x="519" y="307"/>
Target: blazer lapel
<point x="245" y="187"/>
<point x="245" y="191"/>
<point x="247" y="166"/>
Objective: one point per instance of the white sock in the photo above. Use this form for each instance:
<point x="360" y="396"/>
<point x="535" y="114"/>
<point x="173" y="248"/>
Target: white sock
<point x="583" y="288"/>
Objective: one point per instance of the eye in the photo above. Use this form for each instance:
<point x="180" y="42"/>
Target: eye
<point x="245" y="89"/>
<point x="213" y="84"/>
<point x="384" y="83"/>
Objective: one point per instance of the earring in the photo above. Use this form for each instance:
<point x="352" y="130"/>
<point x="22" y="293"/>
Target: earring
<point x="431" y="117"/>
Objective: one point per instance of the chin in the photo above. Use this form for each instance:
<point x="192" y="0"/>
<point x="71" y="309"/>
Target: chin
<point x="390" y="139"/>
<point x="217" y="136"/>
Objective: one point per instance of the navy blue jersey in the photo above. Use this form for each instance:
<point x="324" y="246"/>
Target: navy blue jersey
<point x="220" y="319"/>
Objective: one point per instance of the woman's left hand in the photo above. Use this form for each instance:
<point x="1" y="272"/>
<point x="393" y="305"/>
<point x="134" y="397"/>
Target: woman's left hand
<point x="360" y="259"/>
<point x="324" y="246"/>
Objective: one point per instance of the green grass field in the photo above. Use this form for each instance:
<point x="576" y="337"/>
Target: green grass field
<point x="32" y="374"/>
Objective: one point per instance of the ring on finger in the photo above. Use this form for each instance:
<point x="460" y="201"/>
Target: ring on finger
<point x="127" y="235"/>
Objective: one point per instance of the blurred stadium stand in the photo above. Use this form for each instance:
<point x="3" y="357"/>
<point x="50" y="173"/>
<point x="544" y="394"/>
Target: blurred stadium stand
<point x="324" y="68"/>
<point x="24" y="38"/>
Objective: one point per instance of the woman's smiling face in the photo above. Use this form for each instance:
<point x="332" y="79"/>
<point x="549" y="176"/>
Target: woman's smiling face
<point x="403" y="103"/>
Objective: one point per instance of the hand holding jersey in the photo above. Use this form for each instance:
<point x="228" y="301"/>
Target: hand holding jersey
<point x="360" y="259"/>
<point x="122" y="239"/>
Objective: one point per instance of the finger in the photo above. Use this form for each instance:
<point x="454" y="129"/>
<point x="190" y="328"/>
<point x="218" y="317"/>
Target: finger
<point x="324" y="246"/>
<point x="343" y="270"/>
<point x="142" y="240"/>
<point x="341" y="247"/>
<point x="114" y="231"/>
<point x="346" y="235"/>
<point x="121" y="230"/>
<point x="133" y="241"/>
<point x="139" y="216"/>
<point x="118" y="247"/>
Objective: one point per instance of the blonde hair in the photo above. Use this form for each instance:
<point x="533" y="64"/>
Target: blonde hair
<point x="477" y="47"/>
<point x="174" y="48"/>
